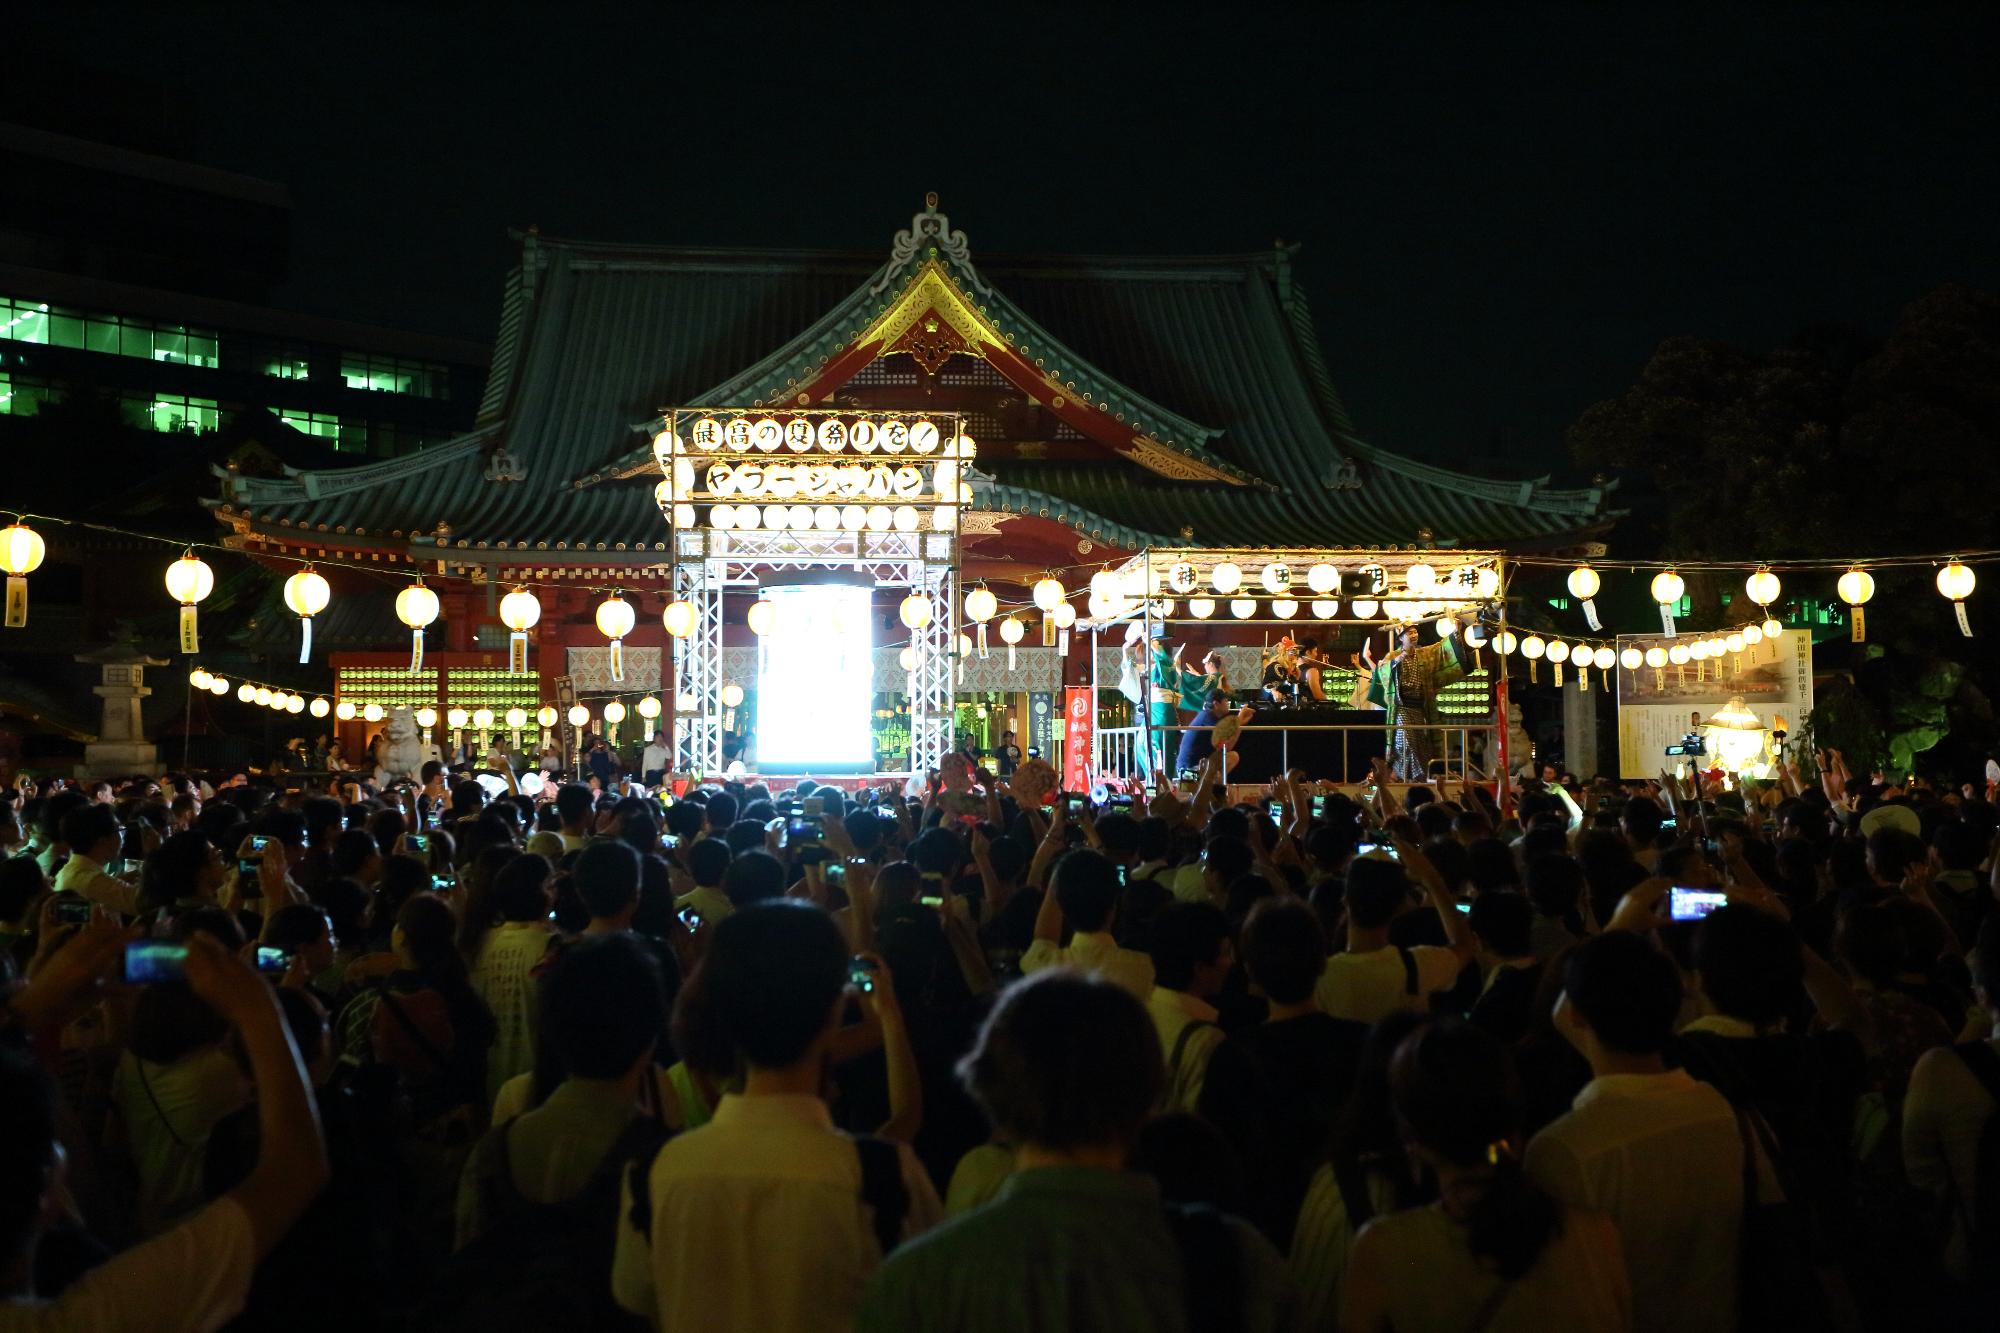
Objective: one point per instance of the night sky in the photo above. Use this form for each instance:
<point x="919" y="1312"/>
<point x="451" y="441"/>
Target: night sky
<point x="1503" y="209"/>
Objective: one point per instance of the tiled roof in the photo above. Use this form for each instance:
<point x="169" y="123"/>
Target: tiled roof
<point x="1213" y="356"/>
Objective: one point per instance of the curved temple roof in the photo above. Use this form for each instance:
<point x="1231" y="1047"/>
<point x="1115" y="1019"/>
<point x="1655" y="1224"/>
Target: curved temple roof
<point x="1201" y="375"/>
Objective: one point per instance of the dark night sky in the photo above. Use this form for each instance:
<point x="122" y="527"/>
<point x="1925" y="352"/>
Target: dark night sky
<point x="1504" y="209"/>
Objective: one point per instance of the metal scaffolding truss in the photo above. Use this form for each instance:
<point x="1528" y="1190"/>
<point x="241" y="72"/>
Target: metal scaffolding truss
<point x="709" y="562"/>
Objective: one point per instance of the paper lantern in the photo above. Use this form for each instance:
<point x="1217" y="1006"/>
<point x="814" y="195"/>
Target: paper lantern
<point x="907" y="659"/>
<point x="579" y="716"/>
<point x="1486" y="582"/>
<point x="1762" y="587"/>
<point x="1604" y="659"/>
<point x="1419" y="578"/>
<point x="416" y="606"/>
<point x="1201" y="608"/>
<point x="1065" y="615"/>
<point x="1325" y="608"/>
<point x="1475" y="635"/>
<point x="457" y="718"/>
<point x="980" y="606"/>
<point x="1558" y="651"/>
<point x="199" y="678"/>
<point x="189" y="579"/>
<point x="1583" y="585"/>
<point x="21" y="554"/>
<point x="259" y="695"/>
<point x="1047" y="594"/>
<point x="345" y="710"/>
<point x="1632" y="658"/>
<point x="1364" y="608"/>
<point x="1773" y="630"/>
<point x="1667" y="589"/>
<point x="307" y="594"/>
<point x="915" y="611"/>
<point x="427" y="717"/>
<point x="319" y="707"/>
<point x="1955" y="581"/>
<point x="1447" y="626"/>
<point x="1504" y="643"/>
<point x="1656" y="657"/>
<point x="1277" y="577"/>
<point x="679" y="619"/>
<point x="762" y="615"/>
<point x="1242" y="608"/>
<point x="615" y="619"/>
<point x="520" y="611"/>
<point x="1533" y="648"/>
<point x="1225" y="578"/>
<point x="1855" y="587"/>
<point x="295" y="704"/>
<point x="1753" y="635"/>
<point x="373" y="713"/>
<point x="1284" y="608"/>
<point x="1011" y="633"/>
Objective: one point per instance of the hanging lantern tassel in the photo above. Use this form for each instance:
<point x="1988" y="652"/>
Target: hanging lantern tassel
<point x="1964" y="626"/>
<point x="982" y="639"/>
<point x="1590" y="615"/>
<point x="1557" y="668"/>
<point x="417" y="651"/>
<point x="191" y="638"/>
<point x="1062" y="642"/>
<point x="1048" y="630"/>
<point x="17" y="601"/>
<point x="1583" y="679"/>
<point x="1860" y="626"/>
<point x="618" y="660"/>
<point x="305" y="639"/>
<point x="1010" y="647"/>
<point x="517" y="652"/>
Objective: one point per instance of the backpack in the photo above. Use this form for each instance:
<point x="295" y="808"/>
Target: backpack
<point x="1981" y="1212"/>
<point x="1211" y="1267"/>
<point x="881" y="1189"/>
<point x="540" y="1266"/>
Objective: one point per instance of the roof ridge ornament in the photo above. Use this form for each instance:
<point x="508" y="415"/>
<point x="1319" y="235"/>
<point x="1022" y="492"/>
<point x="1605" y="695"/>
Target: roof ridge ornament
<point x="501" y="466"/>
<point x="929" y="227"/>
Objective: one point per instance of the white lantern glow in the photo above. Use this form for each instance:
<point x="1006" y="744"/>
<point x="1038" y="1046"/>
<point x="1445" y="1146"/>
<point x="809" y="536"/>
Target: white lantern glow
<point x="307" y="594"/>
<point x="1225" y="578"/>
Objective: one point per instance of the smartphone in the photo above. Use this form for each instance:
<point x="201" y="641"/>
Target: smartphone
<point x="802" y="831"/>
<point x="835" y="873"/>
<point x="149" y="962"/>
<point x="884" y="812"/>
<point x="931" y="900"/>
<point x="259" y="841"/>
<point x="1123" y="870"/>
<point x="813" y="805"/>
<point x="1121" y="801"/>
<point x="1074" y="801"/>
<point x="1684" y="904"/>
<point x="861" y="974"/>
<point x="442" y="883"/>
<point x="1387" y="849"/>
<point x="1275" y="809"/>
<point x="1318" y="806"/>
<point x="690" y="918"/>
<point x="73" y="909"/>
<point x="248" y="869"/>
<point x="272" y="962"/>
<point x="417" y="842"/>
<point x="1464" y="907"/>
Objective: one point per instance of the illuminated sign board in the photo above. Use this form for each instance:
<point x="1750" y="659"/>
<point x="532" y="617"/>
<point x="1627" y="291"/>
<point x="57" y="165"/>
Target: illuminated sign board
<point x="824" y="471"/>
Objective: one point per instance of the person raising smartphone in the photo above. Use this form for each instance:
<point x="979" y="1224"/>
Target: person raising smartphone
<point x="197" y="1274"/>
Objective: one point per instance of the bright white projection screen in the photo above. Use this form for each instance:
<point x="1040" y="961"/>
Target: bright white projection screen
<point x="816" y="681"/>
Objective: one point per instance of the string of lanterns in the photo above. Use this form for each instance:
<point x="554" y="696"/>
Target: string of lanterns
<point x="1711" y="654"/>
<point x="190" y="580"/>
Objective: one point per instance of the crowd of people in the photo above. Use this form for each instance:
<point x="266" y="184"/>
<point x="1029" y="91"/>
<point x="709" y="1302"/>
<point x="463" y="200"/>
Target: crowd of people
<point x="741" y="1058"/>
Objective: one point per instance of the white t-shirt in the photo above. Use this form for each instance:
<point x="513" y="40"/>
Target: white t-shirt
<point x="1172" y="1013"/>
<point x="168" y="1112"/>
<point x="759" y="1223"/>
<point x="502" y="977"/>
<point x="1662" y="1154"/>
<point x="1943" y="1117"/>
<point x="188" y="1280"/>
<point x="1094" y="951"/>
<point x="1368" y="987"/>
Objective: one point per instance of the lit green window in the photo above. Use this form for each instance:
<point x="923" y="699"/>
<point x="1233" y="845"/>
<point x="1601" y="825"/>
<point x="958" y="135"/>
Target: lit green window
<point x="182" y="416"/>
<point x="287" y="368"/>
<point x="22" y="397"/>
<point x="389" y="375"/>
<point x="24" y="321"/>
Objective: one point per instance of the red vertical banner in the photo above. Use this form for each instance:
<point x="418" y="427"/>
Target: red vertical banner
<point x="1079" y="716"/>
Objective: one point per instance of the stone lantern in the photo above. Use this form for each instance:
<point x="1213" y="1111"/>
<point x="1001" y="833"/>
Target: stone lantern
<point x="121" y="746"/>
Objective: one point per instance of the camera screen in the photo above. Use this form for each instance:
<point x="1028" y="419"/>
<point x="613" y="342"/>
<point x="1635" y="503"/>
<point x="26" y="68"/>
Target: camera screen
<point x="148" y="962"/>
<point x="1684" y="904"/>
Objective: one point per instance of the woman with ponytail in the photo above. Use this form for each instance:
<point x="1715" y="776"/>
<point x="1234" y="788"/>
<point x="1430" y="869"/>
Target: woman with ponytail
<point x="1494" y="1252"/>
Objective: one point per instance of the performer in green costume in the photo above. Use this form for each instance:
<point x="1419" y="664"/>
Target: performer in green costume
<point x="1169" y="682"/>
<point x="1406" y="685"/>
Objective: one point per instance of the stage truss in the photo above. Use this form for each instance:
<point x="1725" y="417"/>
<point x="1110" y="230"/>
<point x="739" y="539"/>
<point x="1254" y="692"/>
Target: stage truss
<point x="709" y="561"/>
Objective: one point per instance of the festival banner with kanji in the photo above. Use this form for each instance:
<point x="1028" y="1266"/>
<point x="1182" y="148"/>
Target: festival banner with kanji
<point x="1079" y="709"/>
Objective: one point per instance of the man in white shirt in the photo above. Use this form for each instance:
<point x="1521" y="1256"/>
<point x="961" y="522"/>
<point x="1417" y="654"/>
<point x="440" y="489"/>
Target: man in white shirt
<point x="1084" y="892"/>
<point x="653" y="760"/>
<point x="768" y="1217"/>
<point x="1192" y="954"/>
<point x="1659" y="1151"/>
<point x="1373" y="978"/>
<point x="94" y="837"/>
